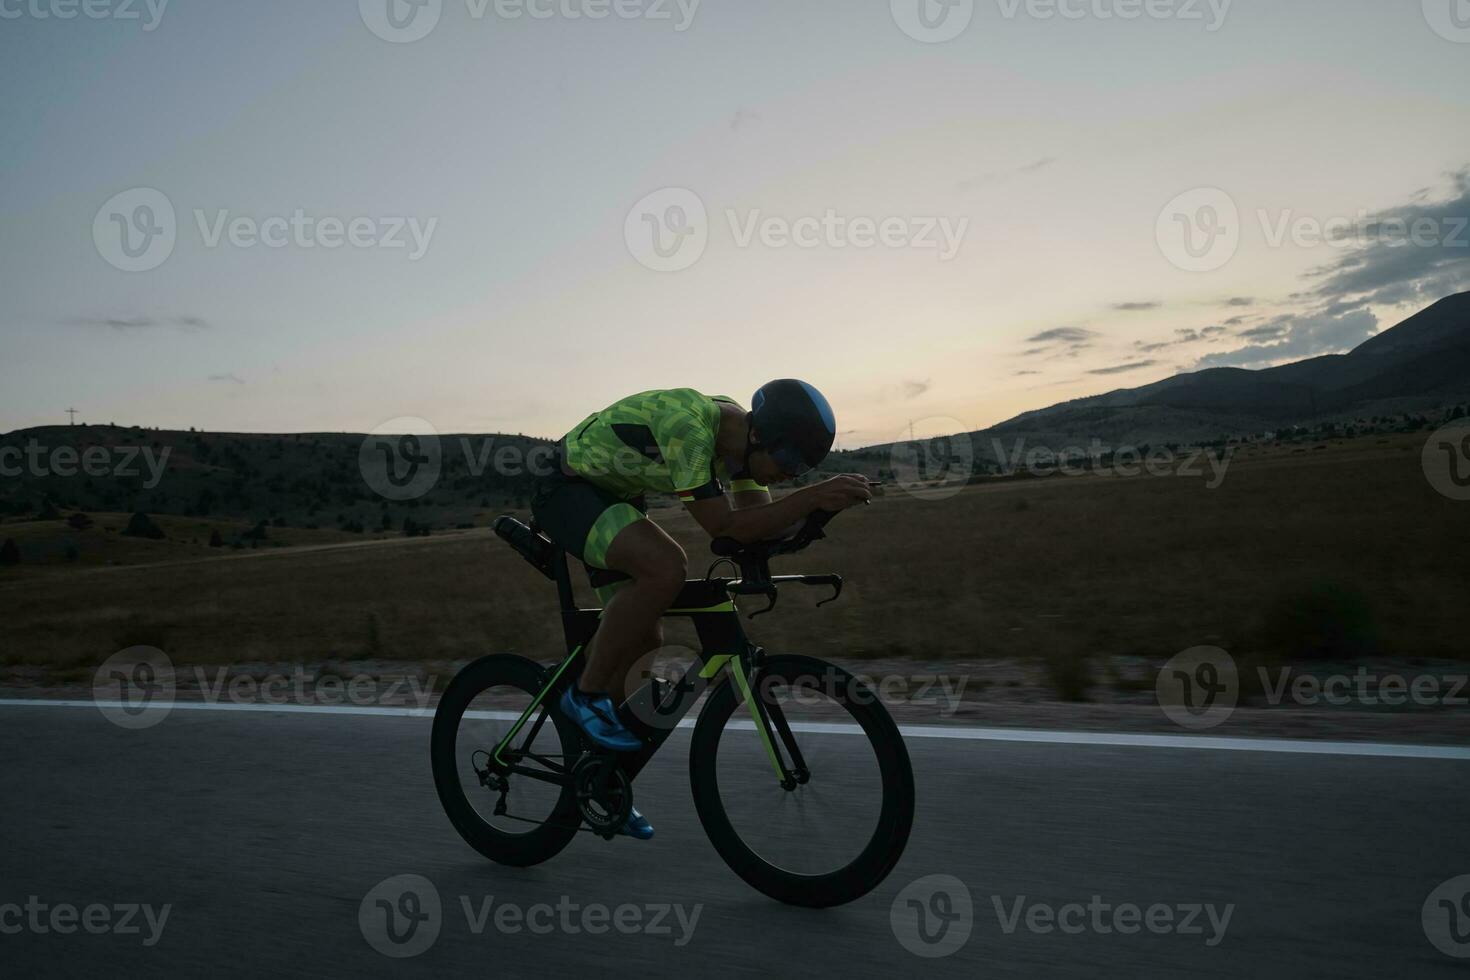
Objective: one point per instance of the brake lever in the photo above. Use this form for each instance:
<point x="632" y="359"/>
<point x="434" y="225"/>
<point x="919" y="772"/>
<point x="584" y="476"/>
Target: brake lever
<point x="771" y="604"/>
<point x="836" y="592"/>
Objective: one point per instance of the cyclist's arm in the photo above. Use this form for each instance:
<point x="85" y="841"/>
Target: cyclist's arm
<point x="766" y="521"/>
<point x="745" y="494"/>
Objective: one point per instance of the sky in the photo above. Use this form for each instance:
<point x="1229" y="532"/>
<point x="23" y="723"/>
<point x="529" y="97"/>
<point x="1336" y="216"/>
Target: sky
<point x="502" y="215"/>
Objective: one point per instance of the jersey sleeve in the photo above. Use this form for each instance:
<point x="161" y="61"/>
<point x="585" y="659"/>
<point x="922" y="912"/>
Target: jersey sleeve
<point x="688" y="447"/>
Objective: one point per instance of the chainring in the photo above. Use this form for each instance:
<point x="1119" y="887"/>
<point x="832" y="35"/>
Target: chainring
<point x="604" y="794"/>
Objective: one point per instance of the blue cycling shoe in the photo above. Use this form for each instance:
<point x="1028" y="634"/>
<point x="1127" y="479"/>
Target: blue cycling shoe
<point x="598" y="719"/>
<point x="637" y="826"/>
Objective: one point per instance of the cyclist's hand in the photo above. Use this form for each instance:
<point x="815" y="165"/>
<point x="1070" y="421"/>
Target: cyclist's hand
<point x="841" y="492"/>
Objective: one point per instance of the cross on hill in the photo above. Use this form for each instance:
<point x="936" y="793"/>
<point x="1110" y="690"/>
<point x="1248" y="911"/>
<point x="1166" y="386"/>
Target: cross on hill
<point x="73" y="413"/>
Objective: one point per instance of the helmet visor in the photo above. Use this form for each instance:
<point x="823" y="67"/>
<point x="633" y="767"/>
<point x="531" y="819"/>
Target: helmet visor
<point x="791" y="461"/>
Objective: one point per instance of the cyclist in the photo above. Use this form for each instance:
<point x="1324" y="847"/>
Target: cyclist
<point x="593" y="504"/>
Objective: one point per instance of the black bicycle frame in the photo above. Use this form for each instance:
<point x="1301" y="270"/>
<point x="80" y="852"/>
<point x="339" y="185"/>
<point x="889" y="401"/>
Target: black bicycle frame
<point x="653" y="713"/>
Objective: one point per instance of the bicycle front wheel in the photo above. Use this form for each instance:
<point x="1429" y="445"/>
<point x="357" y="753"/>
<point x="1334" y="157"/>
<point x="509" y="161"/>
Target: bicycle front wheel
<point x="835" y="830"/>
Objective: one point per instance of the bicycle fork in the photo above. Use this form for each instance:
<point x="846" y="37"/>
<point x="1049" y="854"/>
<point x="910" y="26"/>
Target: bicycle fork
<point x="771" y="724"/>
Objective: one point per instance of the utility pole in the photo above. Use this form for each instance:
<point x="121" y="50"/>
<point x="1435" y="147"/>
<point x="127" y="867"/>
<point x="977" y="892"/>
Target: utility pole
<point x="73" y="413"/>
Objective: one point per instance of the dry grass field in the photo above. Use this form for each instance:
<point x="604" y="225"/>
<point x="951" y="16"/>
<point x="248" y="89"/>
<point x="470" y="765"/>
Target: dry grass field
<point x="1339" y="552"/>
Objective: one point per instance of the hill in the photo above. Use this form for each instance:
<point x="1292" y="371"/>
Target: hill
<point x="1422" y="363"/>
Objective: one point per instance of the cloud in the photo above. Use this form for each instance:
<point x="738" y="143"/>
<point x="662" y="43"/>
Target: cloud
<point x="1035" y="166"/>
<point x="913" y="389"/>
<point x="1124" y="368"/>
<point x="1236" y="321"/>
<point x="1418" y="252"/>
<point x="1296" y="336"/>
<point x="1138" y="307"/>
<point x="1026" y="374"/>
<point x="1212" y="331"/>
<point x="233" y="379"/>
<point x="1063" y="335"/>
<point x="741" y="119"/>
<point x="141" y="323"/>
<point x="1266" y="331"/>
<point x="1239" y="301"/>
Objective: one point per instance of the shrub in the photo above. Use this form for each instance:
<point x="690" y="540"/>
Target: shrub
<point x="1320" y="621"/>
<point x="140" y="525"/>
<point x="1070" y="676"/>
<point x="9" y="552"/>
<point x="215" y="541"/>
<point x="79" y="522"/>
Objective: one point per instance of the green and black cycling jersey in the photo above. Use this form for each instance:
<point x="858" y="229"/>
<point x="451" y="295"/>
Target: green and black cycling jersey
<point x="655" y="442"/>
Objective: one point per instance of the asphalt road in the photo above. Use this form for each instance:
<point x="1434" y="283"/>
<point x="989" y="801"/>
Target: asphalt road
<point x="264" y="832"/>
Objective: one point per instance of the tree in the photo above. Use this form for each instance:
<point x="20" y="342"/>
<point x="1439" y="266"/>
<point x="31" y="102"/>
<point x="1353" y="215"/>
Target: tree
<point x="79" y="522"/>
<point x="140" y="525"/>
<point x="48" y="511"/>
<point x="9" y="553"/>
<point x="215" y="541"/>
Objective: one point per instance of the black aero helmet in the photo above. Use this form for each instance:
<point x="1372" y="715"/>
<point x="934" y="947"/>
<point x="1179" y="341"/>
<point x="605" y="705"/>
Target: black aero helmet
<point x="794" y="424"/>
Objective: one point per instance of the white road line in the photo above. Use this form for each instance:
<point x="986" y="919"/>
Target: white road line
<point x="1197" y="742"/>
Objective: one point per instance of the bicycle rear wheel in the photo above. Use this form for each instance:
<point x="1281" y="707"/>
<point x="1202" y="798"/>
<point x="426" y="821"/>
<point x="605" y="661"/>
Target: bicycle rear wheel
<point x="836" y="833"/>
<point x="481" y="713"/>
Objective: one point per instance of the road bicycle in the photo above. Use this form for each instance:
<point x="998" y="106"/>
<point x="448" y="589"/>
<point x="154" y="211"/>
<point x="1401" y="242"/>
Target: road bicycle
<point x="807" y="794"/>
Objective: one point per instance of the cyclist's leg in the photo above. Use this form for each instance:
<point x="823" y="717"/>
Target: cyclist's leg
<point x="607" y="532"/>
<point x="631" y="624"/>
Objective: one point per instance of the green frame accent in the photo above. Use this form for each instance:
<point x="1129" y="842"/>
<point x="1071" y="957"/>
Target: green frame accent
<point x="762" y="725"/>
<point x="521" y="722"/>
